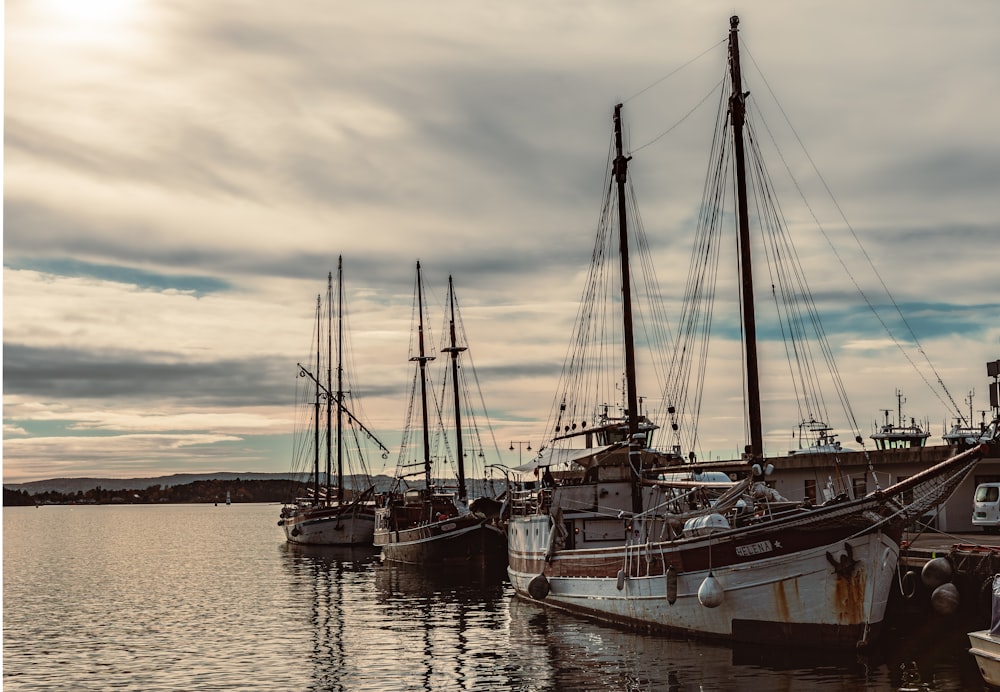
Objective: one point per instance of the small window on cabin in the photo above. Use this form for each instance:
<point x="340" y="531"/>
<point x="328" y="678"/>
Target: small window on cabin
<point x="810" y="491"/>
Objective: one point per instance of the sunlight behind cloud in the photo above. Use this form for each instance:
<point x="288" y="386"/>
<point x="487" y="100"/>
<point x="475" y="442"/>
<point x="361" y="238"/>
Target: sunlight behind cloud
<point x="93" y="20"/>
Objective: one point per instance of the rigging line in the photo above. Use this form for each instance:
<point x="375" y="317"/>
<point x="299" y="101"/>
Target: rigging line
<point x="864" y="252"/>
<point x="676" y="70"/>
<point x="575" y="349"/>
<point x="683" y="118"/>
<point x="479" y="389"/>
<point x="790" y="276"/>
<point x="691" y="355"/>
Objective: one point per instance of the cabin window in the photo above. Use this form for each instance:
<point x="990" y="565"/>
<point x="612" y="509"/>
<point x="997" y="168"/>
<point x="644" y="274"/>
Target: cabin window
<point x="810" y="491"/>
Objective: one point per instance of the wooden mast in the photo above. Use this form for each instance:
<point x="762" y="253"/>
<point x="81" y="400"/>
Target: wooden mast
<point x="454" y="350"/>
<point x="737" y="111"/>
<point x="340" y="379"/>
<point x="316" y="406"/>
<point x="421" y="360"/>
<point x="329" y="387"/>
<point x="632" y="414"/>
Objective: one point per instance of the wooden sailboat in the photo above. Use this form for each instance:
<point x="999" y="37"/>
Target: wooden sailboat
<point x="615" y="541"/>
<point x="332" y="513"/>
<point x="430" y="524"/>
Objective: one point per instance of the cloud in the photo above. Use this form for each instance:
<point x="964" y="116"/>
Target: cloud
<point x="178" y="183"/>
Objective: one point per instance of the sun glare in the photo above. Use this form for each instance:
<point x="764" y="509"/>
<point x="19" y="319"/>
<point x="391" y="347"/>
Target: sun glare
<point x="92" y="13"/>
<point x="108" y="23"/>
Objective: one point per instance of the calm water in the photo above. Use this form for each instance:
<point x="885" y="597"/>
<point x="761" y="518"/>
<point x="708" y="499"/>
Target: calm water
<point x="202" y="597"/>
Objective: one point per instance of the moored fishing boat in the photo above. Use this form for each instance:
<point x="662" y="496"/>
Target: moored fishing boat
<point x="613" y="540"/>
<point x="333" y="513"/>
<point x="899" y="435"/>
<point x="430" y="524"/>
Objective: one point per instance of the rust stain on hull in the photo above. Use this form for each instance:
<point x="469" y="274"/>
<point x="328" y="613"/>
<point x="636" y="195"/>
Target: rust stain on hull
<point x="849" y="598"/>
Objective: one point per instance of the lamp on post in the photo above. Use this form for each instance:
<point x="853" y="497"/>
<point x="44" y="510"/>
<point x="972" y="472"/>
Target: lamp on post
<point x="519" y="443"/>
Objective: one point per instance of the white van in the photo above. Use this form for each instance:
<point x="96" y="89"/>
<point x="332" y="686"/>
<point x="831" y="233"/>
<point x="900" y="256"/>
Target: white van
<point x="986" y="507"/>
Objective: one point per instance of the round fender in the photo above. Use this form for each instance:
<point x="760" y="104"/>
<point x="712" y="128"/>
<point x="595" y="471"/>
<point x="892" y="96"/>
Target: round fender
<point x="946" y="599"/>
<point x="538" y="587"/>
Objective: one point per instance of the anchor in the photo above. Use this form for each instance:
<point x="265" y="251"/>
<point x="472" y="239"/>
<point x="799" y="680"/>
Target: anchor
<point x="845" y="565"/>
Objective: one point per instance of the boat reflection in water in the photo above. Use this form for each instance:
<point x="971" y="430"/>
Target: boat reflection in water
<point x="450" y="624"/>
<point x="356" y="622"/>
<point x="326" y="583"/>
<point x="561" y="651"/>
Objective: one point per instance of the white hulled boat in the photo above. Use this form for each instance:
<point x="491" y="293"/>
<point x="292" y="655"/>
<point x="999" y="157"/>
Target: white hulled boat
<point x="337" y="510"/>
<point x="612" y="539"/>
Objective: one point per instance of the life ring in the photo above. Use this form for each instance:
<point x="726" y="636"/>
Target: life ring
<point x="910" y="585"/>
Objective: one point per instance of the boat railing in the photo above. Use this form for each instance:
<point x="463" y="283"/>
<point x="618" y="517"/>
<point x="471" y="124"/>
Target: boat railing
<point x="524" y="502"/>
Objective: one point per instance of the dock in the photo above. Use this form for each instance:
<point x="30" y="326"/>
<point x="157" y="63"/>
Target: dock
<point x="964" y="564"/>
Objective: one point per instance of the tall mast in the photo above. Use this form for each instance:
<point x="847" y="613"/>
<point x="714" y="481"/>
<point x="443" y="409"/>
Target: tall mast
<point x="632" y="415"/>
<point x="340" y="379"/>
<point x="421" y="360"/>
<point x="737" y="110"/>
<point x="329" y="402"/>
<point x="316" y="431"/>
<point x="454" y="350"/>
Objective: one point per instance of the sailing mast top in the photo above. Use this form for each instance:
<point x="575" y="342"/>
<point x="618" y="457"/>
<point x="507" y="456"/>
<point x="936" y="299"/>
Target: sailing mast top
<point x="737" y="112"/>
<point x="632" y="414"/>
<point x="340" y="379"/>
<point x="316" y="484"/>
<point x="454" y="350"/>
<point x="421" y="360"/>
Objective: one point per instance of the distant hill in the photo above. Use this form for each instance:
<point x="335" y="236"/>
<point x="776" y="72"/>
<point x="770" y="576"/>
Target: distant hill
<point x="74" y="485"/>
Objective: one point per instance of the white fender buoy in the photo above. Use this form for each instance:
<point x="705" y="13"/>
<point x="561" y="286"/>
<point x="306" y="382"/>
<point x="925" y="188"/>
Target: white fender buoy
<point x="621" y="579"/>
<point x="936" y="572"/>
<point x="710" y="593"/>
<point x="538" y="587"/>
<point x="945" y="599"/>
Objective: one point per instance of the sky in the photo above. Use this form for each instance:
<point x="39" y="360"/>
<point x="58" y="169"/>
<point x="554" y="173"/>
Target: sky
<point x="180" y="177"/>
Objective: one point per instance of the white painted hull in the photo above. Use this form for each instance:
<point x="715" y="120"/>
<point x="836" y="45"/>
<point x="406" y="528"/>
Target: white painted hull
<point x="350" y="525"/>
<point x="986" y="649"/>
<point x="796" y="597"/>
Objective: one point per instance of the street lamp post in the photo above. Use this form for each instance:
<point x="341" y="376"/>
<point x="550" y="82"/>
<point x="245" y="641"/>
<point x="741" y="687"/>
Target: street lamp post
<point x="519" y="443"/>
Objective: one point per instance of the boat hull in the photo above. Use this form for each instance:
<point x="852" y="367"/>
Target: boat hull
<point x="986" y="649"/>
<point x="824" y="587"/>
<point x="459" y="540"/>
<point x="334" y="525"/>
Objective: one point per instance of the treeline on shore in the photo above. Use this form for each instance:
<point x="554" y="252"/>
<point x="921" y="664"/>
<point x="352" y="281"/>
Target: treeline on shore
<point x="278" y="490"/>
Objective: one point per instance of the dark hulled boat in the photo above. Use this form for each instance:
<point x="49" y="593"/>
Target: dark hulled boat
<point x="431" y="524"/>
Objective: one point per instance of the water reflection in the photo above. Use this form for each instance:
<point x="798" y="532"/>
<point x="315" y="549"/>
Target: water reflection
<point x="560" y="651"/>
<point x="448" y="623"/>
<point x="205" y="598"/>
<point x="327" y="580"/>
<point x="388" y="626"/>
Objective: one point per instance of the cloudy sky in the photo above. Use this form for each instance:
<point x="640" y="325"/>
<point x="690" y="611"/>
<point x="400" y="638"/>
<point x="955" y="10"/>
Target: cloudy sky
<point x="180" y="177"/>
